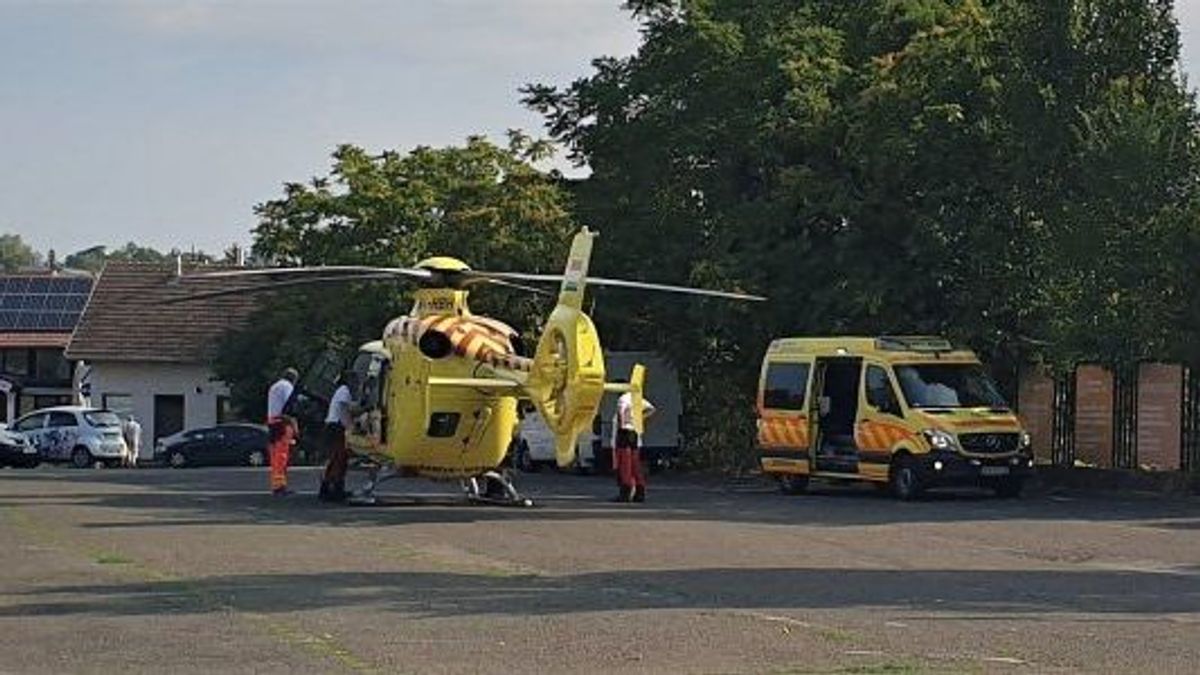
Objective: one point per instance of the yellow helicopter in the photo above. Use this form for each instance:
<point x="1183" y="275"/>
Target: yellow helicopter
<point x="438" y="395"/>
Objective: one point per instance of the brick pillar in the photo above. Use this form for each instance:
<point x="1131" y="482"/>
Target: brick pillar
<point x="1035" y="396"/>
<point x="1160" y="416"/>
<point x="1094" y="415"/>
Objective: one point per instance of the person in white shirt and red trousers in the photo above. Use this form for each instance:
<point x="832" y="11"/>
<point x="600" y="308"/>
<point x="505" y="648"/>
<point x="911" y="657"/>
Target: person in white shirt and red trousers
<point x="627" y="452"/>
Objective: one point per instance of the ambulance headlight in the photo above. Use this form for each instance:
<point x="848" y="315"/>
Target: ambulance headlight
<point x="940" y="440"/>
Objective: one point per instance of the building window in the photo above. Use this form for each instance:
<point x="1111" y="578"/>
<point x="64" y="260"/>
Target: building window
<point x="224" y="414"/>
<point x="51" y="401"/>
<point x="52" y="366"/>
<point x="118" y="403"/>
<point x="16" y="361"/>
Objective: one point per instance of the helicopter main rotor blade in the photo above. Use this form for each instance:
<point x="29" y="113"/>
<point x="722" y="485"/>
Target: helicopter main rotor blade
<point x="616" y="283"/>
<point x="471" y="281"/>
<point x="349" y="271"/>
<point x="275" y="285"/>
<point x="667" y="288"/>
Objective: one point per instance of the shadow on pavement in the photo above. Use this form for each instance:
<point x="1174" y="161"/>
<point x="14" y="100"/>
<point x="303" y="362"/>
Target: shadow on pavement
<point x="449" y="595"/>
<point x="174" y="498"/>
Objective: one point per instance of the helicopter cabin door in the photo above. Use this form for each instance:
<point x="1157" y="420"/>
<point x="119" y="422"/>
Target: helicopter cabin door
<point x="836" y="409"/>
<point x="783" y="419"/>
<point x="368" y="433"/>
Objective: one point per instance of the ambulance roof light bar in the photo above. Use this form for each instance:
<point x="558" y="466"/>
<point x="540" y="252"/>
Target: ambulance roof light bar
<point x="913" y="343"/>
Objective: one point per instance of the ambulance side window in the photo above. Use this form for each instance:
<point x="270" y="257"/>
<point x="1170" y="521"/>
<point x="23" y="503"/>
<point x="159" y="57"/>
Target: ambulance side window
<point x="880" y="394"/>
<point x="785" y="385"/>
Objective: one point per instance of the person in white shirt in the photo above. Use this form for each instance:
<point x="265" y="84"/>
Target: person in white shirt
<point x="132" y="431"/>
<point x="627" y="454"/>
<point x="281" y="429"/>
<point x="337" y="421"/>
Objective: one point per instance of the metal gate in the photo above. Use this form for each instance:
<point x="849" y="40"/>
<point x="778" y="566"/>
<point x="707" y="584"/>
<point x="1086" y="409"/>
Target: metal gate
<point x="1191" y="420"/>
<point x="1062" y="448"/>
<point x="1125" y="403"/>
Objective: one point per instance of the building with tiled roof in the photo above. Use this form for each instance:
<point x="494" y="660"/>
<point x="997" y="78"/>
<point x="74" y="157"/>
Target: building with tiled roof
<point x="38" y="312"/>
<point x="149" y="355"/>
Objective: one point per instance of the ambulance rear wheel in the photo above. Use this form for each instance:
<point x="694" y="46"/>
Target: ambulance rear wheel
<point x="792" y="483"/>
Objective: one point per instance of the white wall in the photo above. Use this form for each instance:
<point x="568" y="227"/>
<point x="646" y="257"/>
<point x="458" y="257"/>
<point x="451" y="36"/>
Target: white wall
<point x="143" y="381"/>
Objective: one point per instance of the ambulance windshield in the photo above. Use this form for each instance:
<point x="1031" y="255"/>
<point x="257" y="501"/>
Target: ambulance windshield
<point x="949" y="385"/>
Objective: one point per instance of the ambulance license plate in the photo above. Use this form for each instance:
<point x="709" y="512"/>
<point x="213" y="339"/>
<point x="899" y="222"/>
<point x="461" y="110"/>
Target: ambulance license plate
<point x="993" y="471"/>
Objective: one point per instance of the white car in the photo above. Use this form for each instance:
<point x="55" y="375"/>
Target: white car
<point x="82" y="436"/>
<point x="15" y="450"/>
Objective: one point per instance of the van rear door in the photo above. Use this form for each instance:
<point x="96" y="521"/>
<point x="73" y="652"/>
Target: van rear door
<point x="784" y="435"/>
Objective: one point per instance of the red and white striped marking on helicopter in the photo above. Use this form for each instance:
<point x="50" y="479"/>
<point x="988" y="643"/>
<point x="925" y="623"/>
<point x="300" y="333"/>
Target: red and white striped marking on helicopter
<point x="477" y="338"/>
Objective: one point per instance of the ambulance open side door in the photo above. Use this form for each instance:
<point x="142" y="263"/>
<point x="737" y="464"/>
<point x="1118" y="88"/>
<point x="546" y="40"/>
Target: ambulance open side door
<point x="784" y="421"/>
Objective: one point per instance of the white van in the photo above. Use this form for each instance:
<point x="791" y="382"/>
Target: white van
<point x="661" y="442"/>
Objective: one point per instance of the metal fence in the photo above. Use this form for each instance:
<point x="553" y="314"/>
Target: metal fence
<point x="1125" y="400"/>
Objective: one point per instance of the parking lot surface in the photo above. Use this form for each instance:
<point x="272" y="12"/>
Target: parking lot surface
<point x="201" y="570"/>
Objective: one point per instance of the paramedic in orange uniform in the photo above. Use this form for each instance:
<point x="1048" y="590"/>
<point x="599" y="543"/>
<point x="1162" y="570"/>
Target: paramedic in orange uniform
<point x="281" y="430"/>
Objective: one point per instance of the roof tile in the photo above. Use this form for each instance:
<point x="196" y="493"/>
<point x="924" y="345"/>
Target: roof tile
<point x="130" y="316"/>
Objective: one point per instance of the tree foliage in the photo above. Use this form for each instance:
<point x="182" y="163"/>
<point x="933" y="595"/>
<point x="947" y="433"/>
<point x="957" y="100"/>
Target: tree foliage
<point x="92" y="259"/>
<point x="15" y="254"/>
<point x="1020" y="175"/>
<point x="482" y="203"/>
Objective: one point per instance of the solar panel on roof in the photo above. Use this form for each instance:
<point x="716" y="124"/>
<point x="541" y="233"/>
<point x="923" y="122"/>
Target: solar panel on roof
<point x="42" y="303"/>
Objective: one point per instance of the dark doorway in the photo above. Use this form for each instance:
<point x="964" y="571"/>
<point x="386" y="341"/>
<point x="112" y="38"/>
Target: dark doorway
<point x="838" y="407"/>
<point x="168" y="415"/>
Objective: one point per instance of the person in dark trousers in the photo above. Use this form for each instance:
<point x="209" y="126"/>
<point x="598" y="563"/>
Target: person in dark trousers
<point x="627" y="453"/>
<point x="337" y="421"/>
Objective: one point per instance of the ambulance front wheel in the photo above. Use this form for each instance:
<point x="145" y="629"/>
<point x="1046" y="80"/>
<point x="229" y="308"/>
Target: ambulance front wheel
<point x="905" y="479"/>
<point x="1009" y="488"/>
<point x="792" y="483"/>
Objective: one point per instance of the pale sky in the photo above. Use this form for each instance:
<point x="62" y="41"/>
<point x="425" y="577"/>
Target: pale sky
<point x="165" y="121"/>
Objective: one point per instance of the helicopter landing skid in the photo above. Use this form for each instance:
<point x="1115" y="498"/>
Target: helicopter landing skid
<point x="490" y="488"/>
<point x="365" y="495"/>
<point x="494" y="488"/>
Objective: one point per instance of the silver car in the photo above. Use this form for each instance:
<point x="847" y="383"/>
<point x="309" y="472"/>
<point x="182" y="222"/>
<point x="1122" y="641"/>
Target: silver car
<point x="82" y="436"/>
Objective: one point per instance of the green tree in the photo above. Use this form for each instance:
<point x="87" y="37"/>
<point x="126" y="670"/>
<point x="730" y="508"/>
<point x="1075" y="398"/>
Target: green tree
<point x="1017" y="174"/>
<point x="15" y="253"/>
<point x="89" y="259"/>
<point x="93" y="259"/>
<point x="482" y="203"/>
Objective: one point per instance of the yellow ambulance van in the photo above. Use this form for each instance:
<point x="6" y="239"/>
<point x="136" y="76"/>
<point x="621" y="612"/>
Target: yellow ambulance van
<point x="905" y="412"/>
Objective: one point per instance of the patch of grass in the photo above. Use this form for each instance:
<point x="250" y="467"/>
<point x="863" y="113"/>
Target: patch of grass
<point x="836" y="635"/>
<point x="112" y="559"/>
<point x="885" y="668"/>
<point x="890" y="667"/>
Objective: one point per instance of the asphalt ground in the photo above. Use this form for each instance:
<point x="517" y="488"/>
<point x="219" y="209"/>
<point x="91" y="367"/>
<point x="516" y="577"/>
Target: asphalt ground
<point x="199" y="570"/>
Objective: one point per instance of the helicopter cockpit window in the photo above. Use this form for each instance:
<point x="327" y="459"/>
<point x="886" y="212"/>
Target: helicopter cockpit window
<point x="442" y="424"/>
